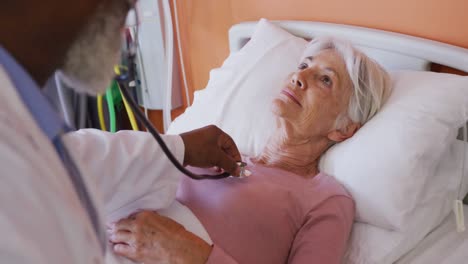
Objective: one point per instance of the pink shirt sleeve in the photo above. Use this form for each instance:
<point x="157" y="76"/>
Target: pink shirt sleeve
<point x="324" y="236"/>
<point x="219" y="256"/>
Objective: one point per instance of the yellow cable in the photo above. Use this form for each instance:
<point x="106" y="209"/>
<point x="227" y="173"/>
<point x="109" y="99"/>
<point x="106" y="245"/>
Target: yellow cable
<point x="117" y="69"/>
<point x="102" y="122"/>
<point x="131" y="116"/>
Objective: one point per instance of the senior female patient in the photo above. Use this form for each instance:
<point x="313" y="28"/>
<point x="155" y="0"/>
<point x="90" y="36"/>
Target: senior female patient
<point x="287" y="211"/>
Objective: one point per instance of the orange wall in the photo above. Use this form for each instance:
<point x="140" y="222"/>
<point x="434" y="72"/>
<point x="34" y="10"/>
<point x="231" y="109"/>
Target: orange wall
<point x="205" y="23"/>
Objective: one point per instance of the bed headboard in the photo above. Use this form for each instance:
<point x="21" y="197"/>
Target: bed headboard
<point x="392" y="50"/>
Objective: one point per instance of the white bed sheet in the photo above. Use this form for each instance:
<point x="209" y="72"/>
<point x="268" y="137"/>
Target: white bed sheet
<point x="442" y="245"/>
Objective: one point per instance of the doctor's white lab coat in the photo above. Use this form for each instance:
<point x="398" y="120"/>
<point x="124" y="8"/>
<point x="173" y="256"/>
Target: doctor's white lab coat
<point x="41" y="218"/>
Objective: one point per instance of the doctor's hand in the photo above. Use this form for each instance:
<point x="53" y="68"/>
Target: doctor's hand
<point x="148" y="237"/>
<point x="210" y="147"/>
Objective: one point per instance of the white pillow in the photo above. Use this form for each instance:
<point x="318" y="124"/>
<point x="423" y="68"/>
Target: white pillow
<point x="239" y="94"/>
<point x="391" y="160"/>
<point x="373" y="245"/>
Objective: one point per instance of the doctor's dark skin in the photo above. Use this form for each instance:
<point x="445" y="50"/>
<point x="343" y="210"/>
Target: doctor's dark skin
<point x="38" y="34"/>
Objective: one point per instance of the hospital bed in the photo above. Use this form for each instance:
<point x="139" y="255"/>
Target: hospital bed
<point x="395" y="52"/>
<point x="440" y="243"/>
<point x="392" y="50"/>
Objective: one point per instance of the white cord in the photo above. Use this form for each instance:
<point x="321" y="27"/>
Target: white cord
<point x="143" y="83"/>
<point x="464" y="138"/>
<point x="145" y="96"/>
<point x="458" y="204"/>
<point x="169" y="62"/>
<point x="181" y="57"/>
<point x="63" y="102"/>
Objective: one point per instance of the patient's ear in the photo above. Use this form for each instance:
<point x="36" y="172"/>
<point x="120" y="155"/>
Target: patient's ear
<point x="345" y="133"/>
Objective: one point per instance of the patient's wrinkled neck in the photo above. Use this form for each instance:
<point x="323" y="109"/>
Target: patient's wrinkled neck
<point x="298" y="155"/>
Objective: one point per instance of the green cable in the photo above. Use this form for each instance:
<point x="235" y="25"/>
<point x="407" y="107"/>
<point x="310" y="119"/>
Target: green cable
<point x="111" y="108"/>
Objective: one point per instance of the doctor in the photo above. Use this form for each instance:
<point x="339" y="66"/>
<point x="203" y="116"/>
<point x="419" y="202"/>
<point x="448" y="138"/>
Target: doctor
<point x="57" y="185"/>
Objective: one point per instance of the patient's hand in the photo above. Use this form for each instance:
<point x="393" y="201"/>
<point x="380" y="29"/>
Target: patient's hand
<point x="148" y="237"/>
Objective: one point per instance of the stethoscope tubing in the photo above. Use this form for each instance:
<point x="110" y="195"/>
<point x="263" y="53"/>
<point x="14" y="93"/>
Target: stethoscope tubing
<point x="154" y="132"/>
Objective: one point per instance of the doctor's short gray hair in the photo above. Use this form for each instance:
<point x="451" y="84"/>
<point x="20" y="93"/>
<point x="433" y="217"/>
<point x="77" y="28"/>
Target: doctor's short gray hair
<point x="371" y="83"/>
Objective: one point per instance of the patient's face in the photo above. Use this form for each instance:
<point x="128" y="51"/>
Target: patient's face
<point x="315" y="94"/>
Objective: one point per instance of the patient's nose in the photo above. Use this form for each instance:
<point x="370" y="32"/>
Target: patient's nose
<point x="297" y="81"/>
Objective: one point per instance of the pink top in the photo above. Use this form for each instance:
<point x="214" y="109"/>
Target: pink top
<point x="274" y="216"/>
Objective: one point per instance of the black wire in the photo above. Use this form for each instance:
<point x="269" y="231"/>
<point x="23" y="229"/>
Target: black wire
<point x="141" y="117"/>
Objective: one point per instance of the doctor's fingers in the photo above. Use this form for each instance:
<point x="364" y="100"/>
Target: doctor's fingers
<point x="227" y="144"/>
<point x="226" y="162"/>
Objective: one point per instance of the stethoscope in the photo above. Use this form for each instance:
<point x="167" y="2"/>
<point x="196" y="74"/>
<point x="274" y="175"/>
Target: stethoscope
<point x="126" y="80"/>
<point x="124" y="84"/>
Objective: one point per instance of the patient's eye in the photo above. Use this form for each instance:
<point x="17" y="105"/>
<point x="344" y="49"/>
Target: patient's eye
<point x="326" y="80"/>
<point x="302" y="66"/>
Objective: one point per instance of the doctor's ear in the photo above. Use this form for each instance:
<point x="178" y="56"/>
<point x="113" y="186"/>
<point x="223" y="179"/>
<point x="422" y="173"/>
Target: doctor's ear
<point x="339" y="135"/>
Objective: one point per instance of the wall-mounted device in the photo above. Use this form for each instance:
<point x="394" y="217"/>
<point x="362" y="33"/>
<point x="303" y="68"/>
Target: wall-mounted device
<point x="158" y="86"/>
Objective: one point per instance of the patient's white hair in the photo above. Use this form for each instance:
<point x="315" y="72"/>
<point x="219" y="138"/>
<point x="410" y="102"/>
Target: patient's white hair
<point x="371" y="83"/>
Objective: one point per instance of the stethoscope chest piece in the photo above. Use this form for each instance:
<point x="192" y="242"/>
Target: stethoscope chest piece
<point x="243" y="171"/>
